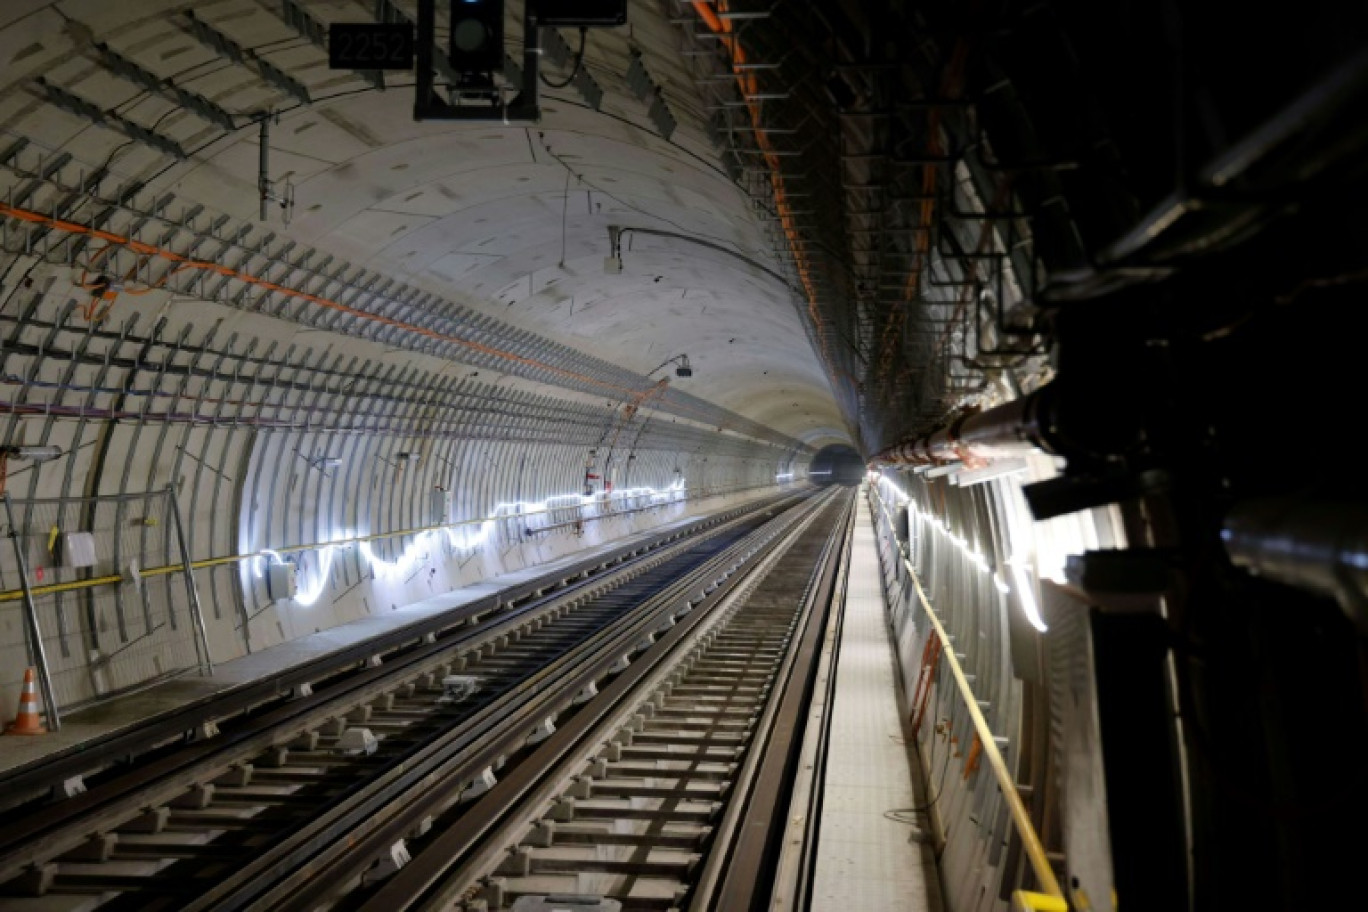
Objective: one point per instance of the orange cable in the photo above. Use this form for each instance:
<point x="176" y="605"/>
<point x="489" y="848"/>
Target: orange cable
<point x="950" y="86"/>
<point x="150" y="251"/>
<point x="749" y="84"/>
<point x="975" y="750"/>
<point x="631" y="409"/>
<point x="921" y="698"/>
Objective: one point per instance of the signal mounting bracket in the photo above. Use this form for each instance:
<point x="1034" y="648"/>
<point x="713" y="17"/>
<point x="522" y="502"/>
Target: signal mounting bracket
<point x="427" y="105"/>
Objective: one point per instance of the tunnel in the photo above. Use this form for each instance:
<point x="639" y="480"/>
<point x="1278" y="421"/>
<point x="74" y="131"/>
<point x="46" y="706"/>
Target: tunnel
<point x="517" y="455"/>
<point x="836" y="464"/>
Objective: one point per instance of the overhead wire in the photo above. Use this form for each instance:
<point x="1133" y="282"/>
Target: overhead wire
<point x="582" y="178"/>
<point x="575" y="71"/>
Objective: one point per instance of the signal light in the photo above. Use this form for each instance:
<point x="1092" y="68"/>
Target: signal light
<point x="477" y="29"/>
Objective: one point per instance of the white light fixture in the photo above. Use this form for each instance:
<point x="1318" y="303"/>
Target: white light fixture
<point x="32" y="453"/>
<point x="938" y="471"/>
<point x="999" y="469"/>
<point x="1025" y="588"/>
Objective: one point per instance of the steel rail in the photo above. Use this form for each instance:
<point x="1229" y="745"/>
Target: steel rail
<point x="739" y="875"/>
<point x="796" y="866"/>
<point x="427" y="881"/>
<point x="28" y="841"/>
<point x="443" y="764"/>
<point x="473" y="842"/>
<point x="118" y="746"/>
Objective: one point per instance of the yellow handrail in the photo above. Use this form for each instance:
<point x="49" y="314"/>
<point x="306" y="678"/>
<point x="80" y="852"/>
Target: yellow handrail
<point x="1030" y="841"/>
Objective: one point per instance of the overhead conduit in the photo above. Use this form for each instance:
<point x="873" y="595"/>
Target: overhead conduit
<point x="1016" y="427"/>
<point x="749" y="85"/>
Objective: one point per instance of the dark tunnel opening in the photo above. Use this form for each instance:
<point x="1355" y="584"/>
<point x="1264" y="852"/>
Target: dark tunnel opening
<point x="836" y="464"/>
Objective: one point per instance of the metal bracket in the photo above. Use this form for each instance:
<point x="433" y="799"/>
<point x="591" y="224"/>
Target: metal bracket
<point x="427" y="106"/>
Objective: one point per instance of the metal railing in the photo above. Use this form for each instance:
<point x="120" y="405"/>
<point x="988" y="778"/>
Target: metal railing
<point x="85" y="642"/>
<point x="1049" y="898"/>
<point x="17" y="594"/>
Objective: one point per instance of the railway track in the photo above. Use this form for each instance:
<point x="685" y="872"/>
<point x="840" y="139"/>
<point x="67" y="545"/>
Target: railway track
<point x="292" y="808"/>
<point x="672" y="798"/>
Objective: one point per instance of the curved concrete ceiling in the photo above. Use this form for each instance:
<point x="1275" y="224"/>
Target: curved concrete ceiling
<point x="511" y="221"/>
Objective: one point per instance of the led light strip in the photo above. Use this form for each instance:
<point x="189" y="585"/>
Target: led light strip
<point x="1020" y="568"/>
<point x="1051" y="897"/>
<point x="458" y="536"/>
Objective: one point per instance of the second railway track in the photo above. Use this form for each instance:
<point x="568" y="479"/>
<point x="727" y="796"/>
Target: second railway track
<point x="294" y="813"/>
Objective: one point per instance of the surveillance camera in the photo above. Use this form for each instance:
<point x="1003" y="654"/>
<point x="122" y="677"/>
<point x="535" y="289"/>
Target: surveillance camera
<point x="684" y="371"/>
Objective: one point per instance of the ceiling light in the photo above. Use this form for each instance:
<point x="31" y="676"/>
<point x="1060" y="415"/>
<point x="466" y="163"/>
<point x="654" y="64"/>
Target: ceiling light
<point x="682" y="366"/>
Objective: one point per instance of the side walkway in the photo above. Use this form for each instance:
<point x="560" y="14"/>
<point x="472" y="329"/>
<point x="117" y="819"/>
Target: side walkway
<point x="869" y="860"/>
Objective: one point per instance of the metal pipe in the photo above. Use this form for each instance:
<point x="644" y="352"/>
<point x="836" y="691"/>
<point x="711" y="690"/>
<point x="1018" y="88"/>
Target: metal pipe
<point x="263" y="164"/>
<point x="201" y="635"/>
<point x="1315" y="545"/>
<point x="31" y="619"/>
<point x="1009" y="430"/>
<point x="526" y="101"/>
<point x="422" y="89"/>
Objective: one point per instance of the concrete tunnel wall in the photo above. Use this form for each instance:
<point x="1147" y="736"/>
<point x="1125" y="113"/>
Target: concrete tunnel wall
<point x="237" y="412"/>
<point x="996" y="578"/>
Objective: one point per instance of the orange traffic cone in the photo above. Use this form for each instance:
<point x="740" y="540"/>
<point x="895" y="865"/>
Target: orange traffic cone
<point x="27" y="722"/>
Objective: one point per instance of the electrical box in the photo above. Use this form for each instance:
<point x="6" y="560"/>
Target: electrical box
<point x="281" y="582"/>
<point x="78" y="549"/>
<point x="440" y="514"/>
